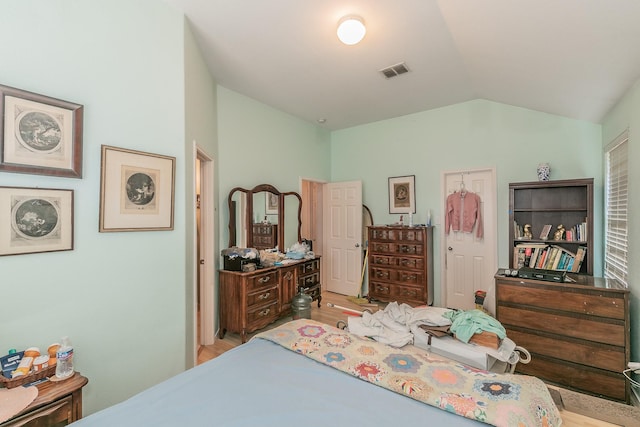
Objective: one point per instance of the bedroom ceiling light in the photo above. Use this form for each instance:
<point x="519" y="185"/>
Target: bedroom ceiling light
<point x="351" y="29"/>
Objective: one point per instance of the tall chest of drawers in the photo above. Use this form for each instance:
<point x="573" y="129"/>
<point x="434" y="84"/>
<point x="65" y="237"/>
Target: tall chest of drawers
<point x="577" y="333"/>
<point x="401" y="264"/>
<point x="265" y="236"/>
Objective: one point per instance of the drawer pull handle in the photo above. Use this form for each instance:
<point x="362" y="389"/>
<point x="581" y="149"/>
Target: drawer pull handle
<point x="264" y="279"/>
<point x="264" y="312"/>
<point x="265" y="295"/>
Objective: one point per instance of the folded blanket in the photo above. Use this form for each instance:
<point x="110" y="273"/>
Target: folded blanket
<point x="496" y="399"/>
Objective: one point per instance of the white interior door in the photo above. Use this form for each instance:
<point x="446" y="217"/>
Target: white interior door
<point x="470" y="262"/>
<point x="342" y="230"/>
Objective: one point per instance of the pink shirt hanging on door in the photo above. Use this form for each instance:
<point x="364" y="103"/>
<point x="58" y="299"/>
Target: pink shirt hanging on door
<point x="462" y="212"/>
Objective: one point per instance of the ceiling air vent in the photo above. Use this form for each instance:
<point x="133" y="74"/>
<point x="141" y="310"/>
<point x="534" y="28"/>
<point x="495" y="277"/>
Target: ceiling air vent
<point x="395" y="70"/>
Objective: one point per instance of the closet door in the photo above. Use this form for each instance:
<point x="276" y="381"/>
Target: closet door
<point x="469" y="262"/>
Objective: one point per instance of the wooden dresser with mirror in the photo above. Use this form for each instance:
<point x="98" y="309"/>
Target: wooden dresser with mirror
<point x="251" y="300"/>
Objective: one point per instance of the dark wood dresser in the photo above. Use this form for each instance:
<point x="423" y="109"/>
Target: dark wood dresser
<point x="578" y="333"/>
<point x="401" y="264"/>
<point x="252" y="300"/>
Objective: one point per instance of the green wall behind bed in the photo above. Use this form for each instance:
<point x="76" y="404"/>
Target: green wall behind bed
<point x="472" y="135"/>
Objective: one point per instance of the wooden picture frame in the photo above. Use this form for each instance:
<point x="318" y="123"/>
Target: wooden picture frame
<point x="271" y="202"/>
<point x="136" y="190"/>
<point x="35" y="220"/>
<point x="40" y="135"/>
<point x="402" y="194"/>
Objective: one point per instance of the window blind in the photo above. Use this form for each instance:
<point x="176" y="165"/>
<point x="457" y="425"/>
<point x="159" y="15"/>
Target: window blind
<point x="616" y="254"/>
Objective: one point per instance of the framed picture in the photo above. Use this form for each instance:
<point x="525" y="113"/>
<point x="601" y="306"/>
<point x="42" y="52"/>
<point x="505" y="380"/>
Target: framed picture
<point x="136" y="190"/>
<point x="35" y="220"/>
<point x="40" y="135"/>
<point x="271" y="203"/>
<point x="402" y="194"/>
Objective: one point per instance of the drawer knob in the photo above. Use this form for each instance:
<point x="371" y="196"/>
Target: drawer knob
<point x="265" y="295"/>
<point x="264" y="279"/>
<point x="264" y="312"/>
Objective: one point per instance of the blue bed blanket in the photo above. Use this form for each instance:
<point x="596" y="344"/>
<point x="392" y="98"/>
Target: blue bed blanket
<point x="261" y="383"/>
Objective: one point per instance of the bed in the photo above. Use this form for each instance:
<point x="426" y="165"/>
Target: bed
<point x="314" y="374"/>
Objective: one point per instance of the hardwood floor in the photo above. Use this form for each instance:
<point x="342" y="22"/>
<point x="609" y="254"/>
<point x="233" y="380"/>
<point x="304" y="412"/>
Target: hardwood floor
<point x="331" y="316"/>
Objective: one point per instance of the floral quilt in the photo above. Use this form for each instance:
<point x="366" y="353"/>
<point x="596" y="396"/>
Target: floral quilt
<point x="496" y="399"/>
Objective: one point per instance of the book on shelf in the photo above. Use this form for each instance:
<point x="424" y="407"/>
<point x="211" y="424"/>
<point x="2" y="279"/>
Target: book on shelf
<point x="547" y="257"/>
<point x="544" y="234"/>
<point x="577" y="263"/>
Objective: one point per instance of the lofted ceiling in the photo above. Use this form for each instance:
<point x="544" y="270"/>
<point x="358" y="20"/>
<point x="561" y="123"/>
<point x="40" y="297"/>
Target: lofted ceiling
<point x="572" y="58"/>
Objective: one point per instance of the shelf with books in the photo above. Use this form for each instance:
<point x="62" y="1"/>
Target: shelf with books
<point x="548" y="257"/>
<point x="556" y="214"/>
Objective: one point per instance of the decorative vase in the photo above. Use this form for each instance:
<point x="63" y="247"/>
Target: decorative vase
<point x="543" y="172"/>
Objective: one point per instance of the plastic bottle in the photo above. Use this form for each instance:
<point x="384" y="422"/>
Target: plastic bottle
<point x="64" y="365"/>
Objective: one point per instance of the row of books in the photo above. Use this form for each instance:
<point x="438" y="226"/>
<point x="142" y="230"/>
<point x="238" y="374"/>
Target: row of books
<point x="577" y="233"/>
<point x="548" y="257"/>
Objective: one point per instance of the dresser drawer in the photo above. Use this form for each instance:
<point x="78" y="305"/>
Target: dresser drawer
<point x="592" y="303"/>
<point x="259" y="316"/>
<point x="396" y="248"/>
<point x="400" y="276"/>
<point x="586" y="328"/>
<point x="262" y="280"/>
<point x="262" y="296"/>
<point x="398" y="262"/>
<point x="58" y="413"/>
<point x="593" y="381"/>
<point x="309" y="267"/>
<point x="309" y="280"/>
<point x="397" y="292"/>
<point x="602" y="356"/>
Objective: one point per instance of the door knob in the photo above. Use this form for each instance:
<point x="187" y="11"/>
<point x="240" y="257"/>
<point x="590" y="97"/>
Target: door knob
<point x="450" y="248"/>
<point x="357" y="245"/>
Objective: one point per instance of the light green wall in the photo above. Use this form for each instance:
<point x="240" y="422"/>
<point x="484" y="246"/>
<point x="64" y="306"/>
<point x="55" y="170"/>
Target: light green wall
<point x="471" y="135"/>
<point x="120" y="297"/>
<point x="200" y="117"/>
<point x="259" y="144"/>
<point x="626" y="115"/>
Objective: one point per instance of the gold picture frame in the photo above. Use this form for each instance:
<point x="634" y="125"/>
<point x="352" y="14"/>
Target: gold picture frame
<point x="40" y="135"/>
<point x="136" y="190"/>
<point x="35" y="220"/>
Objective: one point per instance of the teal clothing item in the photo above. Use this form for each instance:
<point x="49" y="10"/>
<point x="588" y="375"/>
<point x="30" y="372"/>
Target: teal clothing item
<point x="467" y="323"/>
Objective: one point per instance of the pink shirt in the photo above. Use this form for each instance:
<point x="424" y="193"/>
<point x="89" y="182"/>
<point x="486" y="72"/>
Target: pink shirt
<point x="463" y="212"/>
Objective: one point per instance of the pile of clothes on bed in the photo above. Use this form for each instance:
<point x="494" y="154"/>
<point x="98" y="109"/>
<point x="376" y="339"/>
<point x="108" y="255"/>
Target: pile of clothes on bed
<point x="444" y="331"/>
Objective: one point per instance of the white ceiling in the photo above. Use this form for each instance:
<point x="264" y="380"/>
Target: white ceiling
<point x="573" y="58"/>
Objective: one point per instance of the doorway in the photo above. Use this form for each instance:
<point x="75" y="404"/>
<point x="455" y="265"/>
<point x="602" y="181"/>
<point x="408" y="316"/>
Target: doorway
<point x="205" y="238"/>
<point x="469" y="261"/>
<point x="342" y="238"/>
<point x="312" y="197"/>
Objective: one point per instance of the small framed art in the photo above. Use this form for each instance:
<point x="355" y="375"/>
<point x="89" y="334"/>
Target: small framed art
<point x="136" y="190"/>
<point x="40" y="135"/>
<point x="271" y="203"/>
<point x="402" y="194"/>
<point x="35" y="220"/>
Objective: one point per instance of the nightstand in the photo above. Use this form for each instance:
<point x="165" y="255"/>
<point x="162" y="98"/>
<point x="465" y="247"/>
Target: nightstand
<point x="57" y="404"/>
